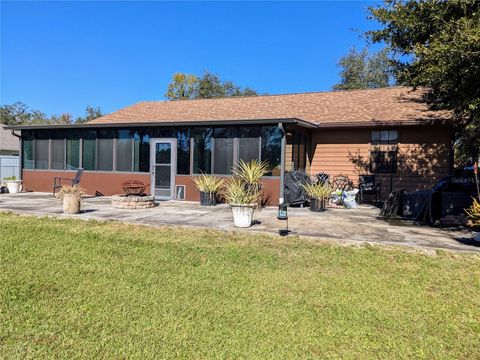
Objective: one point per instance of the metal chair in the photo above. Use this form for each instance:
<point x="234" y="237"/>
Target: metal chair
<point x="57" y="180"/>
<point x="367" y="186"/>
<point x="342" y="182"/>
<point x="323" y="178"/>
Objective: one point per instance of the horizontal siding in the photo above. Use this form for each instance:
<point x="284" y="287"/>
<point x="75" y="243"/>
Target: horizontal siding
<point x="423" y="156"/>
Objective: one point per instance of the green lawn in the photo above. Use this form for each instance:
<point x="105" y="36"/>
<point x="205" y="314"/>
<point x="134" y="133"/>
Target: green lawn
<point x="106" y="290"/>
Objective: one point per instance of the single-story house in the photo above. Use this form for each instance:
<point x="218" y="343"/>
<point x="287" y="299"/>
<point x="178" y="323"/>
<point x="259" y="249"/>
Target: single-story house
<point x="389" y="132"/>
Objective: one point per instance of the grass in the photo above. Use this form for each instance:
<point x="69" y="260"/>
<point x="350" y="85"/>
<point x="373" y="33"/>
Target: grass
<point x="71" y="289"/>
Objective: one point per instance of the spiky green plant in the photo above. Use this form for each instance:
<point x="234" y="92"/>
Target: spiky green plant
<point x="208" y="183"/>
<point x="318" y="191"/>
<point x="70" y="190"/>
<point x="235" y="192"/>
<point x="251" y="173"/>
<point x="473" y="213"/>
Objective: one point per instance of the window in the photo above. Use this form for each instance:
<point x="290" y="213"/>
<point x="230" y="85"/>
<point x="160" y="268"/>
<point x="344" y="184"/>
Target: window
<point x="202" y="152"/>
<point x="384" y="137"/>
<point x="57" y="161"/>
<point x="105" y="150"/>
<point x="223" y="151"/>
<point x="141" y="151"/>
<point x="272" y="148"/>
<point x="41" y="150"/>
<point x="27" y="150"/>
<point x="249" y="144"/>
<point x="124" y="150"/>
<point x="383" y="162"/>
<point x="298" y="143"/>
<point x="183" y="151"/>
<point x="73" y="151"/>
<point x="89" y="150"/>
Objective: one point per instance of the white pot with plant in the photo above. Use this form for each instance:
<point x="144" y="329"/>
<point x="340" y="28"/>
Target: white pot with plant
<point x="13" y="185"/>
<point x="243" y="191"/>
<point x="209" y="187"/>
<point x="319" y="194"/>
<point x="72" y="198"/>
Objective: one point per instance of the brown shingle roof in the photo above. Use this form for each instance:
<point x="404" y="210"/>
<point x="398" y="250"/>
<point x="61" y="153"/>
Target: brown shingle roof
<point x="373" y="106"/>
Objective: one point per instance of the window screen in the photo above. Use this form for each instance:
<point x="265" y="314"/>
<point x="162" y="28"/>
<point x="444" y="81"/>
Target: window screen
<point x="223" y="156"/>
<point x="105" y="150"/>
<point x="58" y="154"/>
<point x="202" y="152"/>
<point x="89" y="150"/>
<point x="124" y="150"/>
<point x="384" y="137"/>
<point x="271" y="148"/>
<point x="383" y="162"/>
<point x="141" y="151"/>
<point x="183" y="151"/>
<point x="27" y="152"/>
<point x="41" y="154"/>
<point x="249" y="149"/>
<point x="73" y="152"/>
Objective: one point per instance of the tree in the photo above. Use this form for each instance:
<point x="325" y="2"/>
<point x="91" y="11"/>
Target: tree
<point x="436" y="44"/>
<point x="19" y="113"/>
<point x="182" y="87"/>
<point x="189" y="86"/>
<point x="91" y="113"/>
<point x="361" y="70"/>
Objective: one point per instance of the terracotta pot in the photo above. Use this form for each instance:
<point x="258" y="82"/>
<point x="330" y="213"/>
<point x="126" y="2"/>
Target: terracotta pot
<point x="71" y="203"/>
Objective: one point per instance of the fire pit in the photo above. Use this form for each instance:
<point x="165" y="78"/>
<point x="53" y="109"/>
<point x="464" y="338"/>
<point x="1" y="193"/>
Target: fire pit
<point x="133" y="187"/>
<point x="133" y="201"/>
<point x="134" y="197"/>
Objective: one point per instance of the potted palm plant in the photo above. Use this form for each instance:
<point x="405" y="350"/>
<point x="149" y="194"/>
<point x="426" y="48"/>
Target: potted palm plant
<point x="13" y="185"/>
<point x="71" y="197"/>
<point x="209" y="186"/>
<point x="243" y="192"/>
<point x="319" y="194"/>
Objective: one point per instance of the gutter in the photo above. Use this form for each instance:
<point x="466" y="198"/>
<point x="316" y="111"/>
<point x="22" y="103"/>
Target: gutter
<point x="13" y="132"/>
<point x="168" y="124"/>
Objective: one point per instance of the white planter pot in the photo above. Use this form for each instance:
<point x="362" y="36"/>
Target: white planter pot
<point x="14" y="186"/>
<point x="243" y="214"/>
<point x="71" y="203"/>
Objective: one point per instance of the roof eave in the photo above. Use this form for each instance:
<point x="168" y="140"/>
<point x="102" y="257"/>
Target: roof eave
<point x="167" y="124"/>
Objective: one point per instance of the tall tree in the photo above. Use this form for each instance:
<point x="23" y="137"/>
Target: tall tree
<point x="189" y="86"/>
<point x="361" y="70"/>
<point x="91" y="113"/>
<point x="19" y="113"/>
<point x="182" y="87"/>
<point x="437" y="46"/>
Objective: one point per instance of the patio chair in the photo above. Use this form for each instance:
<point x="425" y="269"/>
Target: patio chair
<point x="367" y="186"/>
<point x="342" y="182"/>
<point x="323" y="178"/>
<point x="57" y="180"/>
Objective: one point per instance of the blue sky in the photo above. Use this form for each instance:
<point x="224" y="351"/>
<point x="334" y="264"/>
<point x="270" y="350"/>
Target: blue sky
<point x="62" y="56"/>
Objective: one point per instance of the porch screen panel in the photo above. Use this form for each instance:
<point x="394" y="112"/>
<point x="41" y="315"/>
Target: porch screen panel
<point x="124" y="150"/>
<point x="223" y="156"/>
<point x="183" y="151"/>
<point x="141" y="151"/>
<point x="73" y="152"/>
<point x="105" y="150"/>
<point x="41" y="150"/>
<point x="89" y="150"/>
<point x="27" y="151"/>
<point x="271" y="149"/>
<point x="248" y="149"/>
<point x="58" y="154"/>
<point x="202" y="153"/>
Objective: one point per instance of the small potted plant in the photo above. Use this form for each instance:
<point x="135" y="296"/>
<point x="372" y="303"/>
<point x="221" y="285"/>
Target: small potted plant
<point x="473" y="214"/>
<point x="209" y="186"/>
<point x="13" y="185"/>
<point x="319" y="194"/>
<point x="71" y="197"/>
<point x="243" y="192"/>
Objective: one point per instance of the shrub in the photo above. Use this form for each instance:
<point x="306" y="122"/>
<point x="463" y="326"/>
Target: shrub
<point x="318" y="191"/>
<point x="70" y="190"/>
<point x="208" y="183"/>
<point x="473" y="213"/>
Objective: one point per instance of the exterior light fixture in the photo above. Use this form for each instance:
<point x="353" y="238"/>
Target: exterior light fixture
<point x="283" y="215"/>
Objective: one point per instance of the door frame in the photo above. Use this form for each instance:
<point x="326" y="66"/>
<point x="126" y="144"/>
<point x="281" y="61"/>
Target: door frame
<point x="173" y="166"/>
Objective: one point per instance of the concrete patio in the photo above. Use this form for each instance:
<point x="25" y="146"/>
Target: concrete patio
<point x="336" y="224"/>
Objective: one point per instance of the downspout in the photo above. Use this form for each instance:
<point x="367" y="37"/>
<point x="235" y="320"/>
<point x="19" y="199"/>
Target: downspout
<point x="282" y="165"/>
<point x="20" y="153"/>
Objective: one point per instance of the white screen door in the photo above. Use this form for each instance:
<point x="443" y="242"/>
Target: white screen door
<point x="163" y="167"/>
